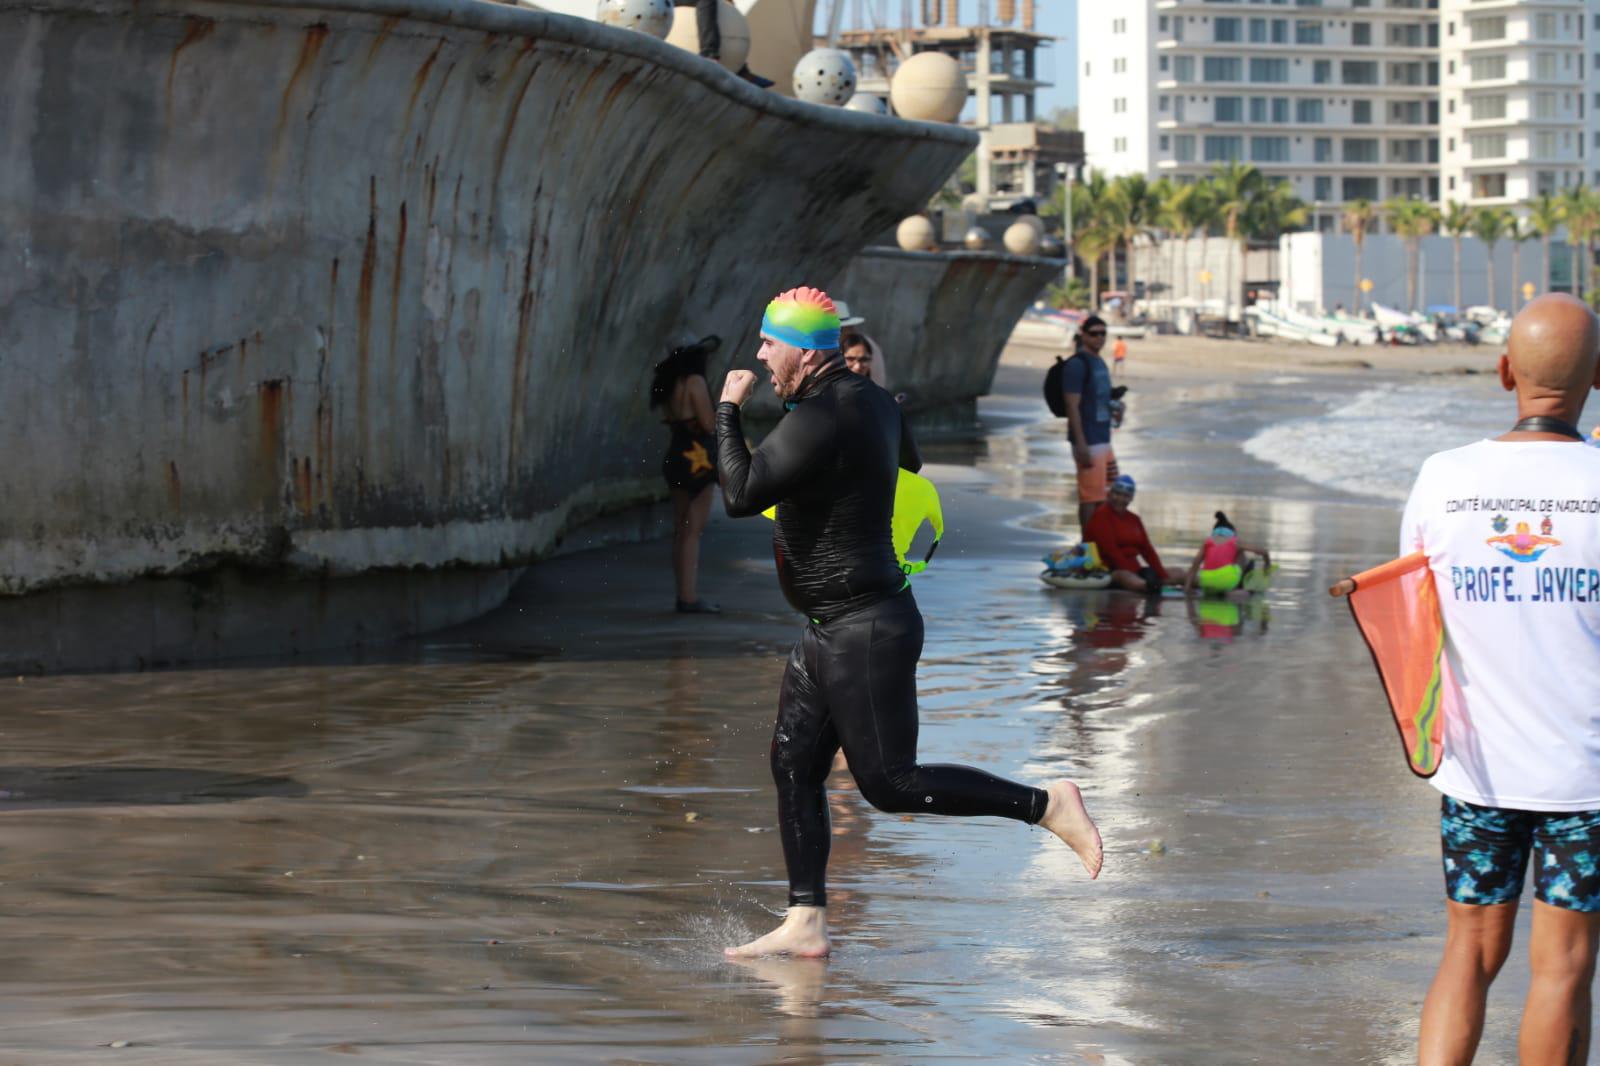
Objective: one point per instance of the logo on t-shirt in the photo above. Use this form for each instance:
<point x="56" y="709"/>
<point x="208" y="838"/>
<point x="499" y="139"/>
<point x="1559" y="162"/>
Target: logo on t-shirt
<point x="1522" y="544"/>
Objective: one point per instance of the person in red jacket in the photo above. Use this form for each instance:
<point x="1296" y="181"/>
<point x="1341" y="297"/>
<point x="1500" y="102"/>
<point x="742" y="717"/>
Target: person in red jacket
<point x="1124" y="545"/>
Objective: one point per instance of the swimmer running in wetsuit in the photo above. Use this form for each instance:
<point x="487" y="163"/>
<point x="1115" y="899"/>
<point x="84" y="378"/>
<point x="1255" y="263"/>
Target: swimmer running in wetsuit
<point x="830" y="466"/>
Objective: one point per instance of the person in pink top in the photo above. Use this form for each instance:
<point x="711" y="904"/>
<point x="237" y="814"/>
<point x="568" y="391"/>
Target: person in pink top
<point x="1217" y="565"/>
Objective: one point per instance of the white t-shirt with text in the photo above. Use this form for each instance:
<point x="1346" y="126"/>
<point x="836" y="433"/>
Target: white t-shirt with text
<point x="1512" y="534"/>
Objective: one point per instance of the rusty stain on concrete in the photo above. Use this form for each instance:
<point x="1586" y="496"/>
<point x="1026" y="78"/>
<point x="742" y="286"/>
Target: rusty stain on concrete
<point x="369" y="268"/>
<point x="378" y="38"/>
<point x="314" y="37"/>
<point x="195" y="29"/>
<point x="174" y="486"/>
<point x="394" y="283"/>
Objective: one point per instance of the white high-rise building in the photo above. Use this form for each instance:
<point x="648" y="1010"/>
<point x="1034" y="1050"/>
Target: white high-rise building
<point x="1341" y="99"/>
<point x="1521" y="99"/>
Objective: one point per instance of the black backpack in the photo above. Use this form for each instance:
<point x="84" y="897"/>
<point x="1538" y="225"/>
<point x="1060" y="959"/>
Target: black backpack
<point x="1053" y="397"/>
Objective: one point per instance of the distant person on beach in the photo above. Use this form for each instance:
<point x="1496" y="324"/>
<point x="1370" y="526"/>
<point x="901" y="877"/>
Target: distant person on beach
<point x="1086" y="385"/>
<point x="1124" y="545"/>
<point x="861" y="353"/>
<point x="1520" y="770"/>
<point x="1219" y="566"/>
<point x="680" y="391"/>
<point x="1119" y="355"/>
<point x="830" y="465"/>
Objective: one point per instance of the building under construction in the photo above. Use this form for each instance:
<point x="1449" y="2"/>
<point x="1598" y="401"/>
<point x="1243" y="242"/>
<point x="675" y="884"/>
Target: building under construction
<point x="1017" y="157"/>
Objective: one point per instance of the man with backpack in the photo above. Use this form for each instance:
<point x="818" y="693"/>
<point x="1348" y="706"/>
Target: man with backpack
<point x="1079" y="390"/>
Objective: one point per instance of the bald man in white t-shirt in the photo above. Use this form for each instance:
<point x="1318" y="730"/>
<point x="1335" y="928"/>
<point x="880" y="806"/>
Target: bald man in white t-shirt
<point x="1511" y="528"/>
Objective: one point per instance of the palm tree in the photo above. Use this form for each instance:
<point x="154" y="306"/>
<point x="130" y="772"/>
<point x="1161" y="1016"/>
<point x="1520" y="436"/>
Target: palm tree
<point x="1163" y="191"/>
<point x="1582" y="206"/>
<point x="1094" y="241"/>
<point x="1412" y="220"/>
<point x="1088" y="213"/>
<point x="1518" y="230"/>
<point x="1234" y="186"/>
<point x="1456" y="220"/>
<point x="1545" y="215"/>
<point x="1190" y="209"/>
<point x="1274" y="211"/>
<point x="1489" y="225"/>
<point x="1135" y="205"/>
<point x="1358" y="220"/>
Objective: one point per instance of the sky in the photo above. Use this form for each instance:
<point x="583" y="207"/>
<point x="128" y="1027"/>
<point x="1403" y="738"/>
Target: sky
<point x="1059" y="17"/>
<point x="1055" y="17"/>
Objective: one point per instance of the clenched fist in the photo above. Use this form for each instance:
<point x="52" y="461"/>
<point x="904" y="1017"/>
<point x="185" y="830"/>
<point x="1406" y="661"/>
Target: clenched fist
<point x="738" y="386"/>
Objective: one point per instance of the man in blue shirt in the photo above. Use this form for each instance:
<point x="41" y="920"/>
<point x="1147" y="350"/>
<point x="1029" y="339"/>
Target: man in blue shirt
<point x="1086" y="383"/>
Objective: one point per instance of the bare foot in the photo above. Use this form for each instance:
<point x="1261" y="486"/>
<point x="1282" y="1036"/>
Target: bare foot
<point x="803" y="934"/>
<point x="1067" y="818"/>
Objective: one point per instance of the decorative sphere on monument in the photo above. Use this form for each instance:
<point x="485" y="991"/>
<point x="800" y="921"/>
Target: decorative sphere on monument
<point x="1035" y="221"/>
<point x="647" y="16"/>
<point x="929" y="87"/>
<point x="915" y="234"/>
<point x="1022" y="239"/>
<point x="872" y="105"/>
<point x="825" y="76"/>
<point x="735" y="34"/>
<point x="977" y="239"/>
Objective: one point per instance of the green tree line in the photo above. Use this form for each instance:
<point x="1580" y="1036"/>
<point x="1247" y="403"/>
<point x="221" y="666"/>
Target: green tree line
<point x="1238" y="203"/>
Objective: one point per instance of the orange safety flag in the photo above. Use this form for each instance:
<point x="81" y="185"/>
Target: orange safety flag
<point x="1397" y="607"/>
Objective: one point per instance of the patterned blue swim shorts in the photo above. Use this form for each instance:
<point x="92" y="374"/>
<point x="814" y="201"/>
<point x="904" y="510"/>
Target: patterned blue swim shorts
<point x="1486" y="851"/>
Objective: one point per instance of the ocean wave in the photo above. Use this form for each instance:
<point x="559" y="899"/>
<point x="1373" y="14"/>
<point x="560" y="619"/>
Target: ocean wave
<point x="1374" y="444"/>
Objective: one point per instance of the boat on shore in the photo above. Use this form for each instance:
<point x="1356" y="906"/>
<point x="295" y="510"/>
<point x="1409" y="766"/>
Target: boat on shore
<point x="324" y="317"/>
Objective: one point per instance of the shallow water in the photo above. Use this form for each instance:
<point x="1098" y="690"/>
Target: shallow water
<point x="527" y="840"/>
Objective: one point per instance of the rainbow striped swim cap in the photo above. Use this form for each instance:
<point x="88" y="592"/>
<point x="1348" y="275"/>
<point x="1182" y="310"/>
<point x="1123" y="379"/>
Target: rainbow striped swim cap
<point x="803" y="317"/>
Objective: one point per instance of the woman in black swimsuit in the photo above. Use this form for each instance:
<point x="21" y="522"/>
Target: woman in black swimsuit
<point x="690" y="465"/>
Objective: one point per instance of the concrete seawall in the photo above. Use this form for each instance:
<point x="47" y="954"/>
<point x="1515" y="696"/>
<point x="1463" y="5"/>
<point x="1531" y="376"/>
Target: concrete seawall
<point x="942" y="319"/>
<point x="318" y="290"/>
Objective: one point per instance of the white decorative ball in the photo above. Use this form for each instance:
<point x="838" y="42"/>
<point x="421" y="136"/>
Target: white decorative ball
<point x="872" y="105"/>
<point x="825" y="76"/>
<point x="929" y="87"/>
<point x="1033" y="220"/>
<point x="977" y="239"/>
<point x="647" y="16"/>
<point x="915" y="234"/>
<point x="735" y="34"/>
<point x="1022" y="239"/>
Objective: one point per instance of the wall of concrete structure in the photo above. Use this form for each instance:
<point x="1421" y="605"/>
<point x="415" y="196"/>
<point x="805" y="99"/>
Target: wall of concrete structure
<point x="320" y="290"/>
<point x="942" y="320"/>
<point x="1319" y="270"/>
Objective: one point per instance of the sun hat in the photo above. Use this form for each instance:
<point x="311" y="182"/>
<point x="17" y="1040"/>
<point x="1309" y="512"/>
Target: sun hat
<point x="845" y="317"/>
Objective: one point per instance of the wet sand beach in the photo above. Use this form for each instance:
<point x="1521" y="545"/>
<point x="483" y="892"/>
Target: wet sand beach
<point x="528" y="838"/>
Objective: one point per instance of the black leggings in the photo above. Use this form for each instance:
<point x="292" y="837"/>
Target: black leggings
<point x="852" y="683"/>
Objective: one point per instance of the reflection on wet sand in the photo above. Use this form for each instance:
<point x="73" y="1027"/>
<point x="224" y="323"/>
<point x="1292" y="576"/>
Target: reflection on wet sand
<point x="527" y="840"/>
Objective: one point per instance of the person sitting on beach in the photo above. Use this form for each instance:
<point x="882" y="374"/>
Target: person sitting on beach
<point x="1123" y="544"/>
<point x="1216" y="566"/>
<point x="1520" y="765"/>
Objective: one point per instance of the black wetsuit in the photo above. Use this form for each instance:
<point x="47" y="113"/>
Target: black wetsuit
<point x="830" y="466"/>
